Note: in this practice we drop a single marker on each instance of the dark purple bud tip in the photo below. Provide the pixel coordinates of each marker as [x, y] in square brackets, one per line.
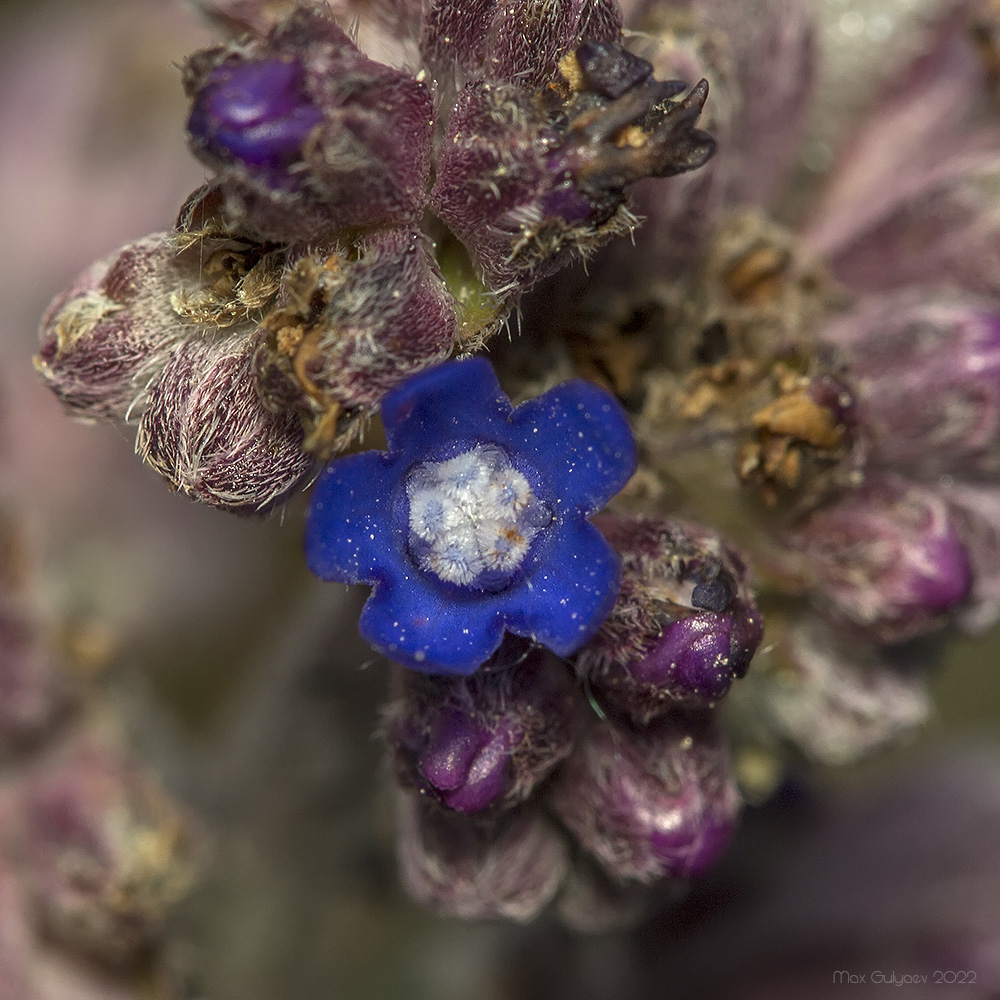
[488, 739]
[610, 70]
[684, 626]
[255, 112]
[650, 804]
[641, 134]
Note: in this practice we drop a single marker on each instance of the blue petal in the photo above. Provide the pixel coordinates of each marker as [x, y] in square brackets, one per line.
[348, 533]
[562, 604]
[430, 631]
[579, 437]
[457, 399]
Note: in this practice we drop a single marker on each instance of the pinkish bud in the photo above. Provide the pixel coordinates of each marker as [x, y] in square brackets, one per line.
[885, 559]
[350, 326]
[309, 136]
[208, 434]
[838, 698]
[925, 371]
[652, 803]
[486, 739]
[489, 39]
[105, 854]
[107, 338]
[684, 625]
[509, 866]
[100, 340]
[33, 692]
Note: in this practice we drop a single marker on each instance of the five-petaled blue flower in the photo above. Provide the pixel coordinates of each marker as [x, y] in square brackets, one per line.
[475, 520]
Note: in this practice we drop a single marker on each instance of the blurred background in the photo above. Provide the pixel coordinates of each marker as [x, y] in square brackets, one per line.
[241, 679]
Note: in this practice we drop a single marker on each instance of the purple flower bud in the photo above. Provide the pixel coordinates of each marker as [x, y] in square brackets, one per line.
[487, 739]
[684, 625]
[208, 434]
[352, 325]
[508, 866]
[488, 39]
[527, 189]
[884, 559]
[105, 853]
[926, 376]
[309, 136]
[837, 698]
[107, 338]
[653, 803]
[33, 693]
[254, 112]
[99, 345]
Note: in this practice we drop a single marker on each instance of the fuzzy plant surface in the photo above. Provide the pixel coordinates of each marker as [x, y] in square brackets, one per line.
[673, 465]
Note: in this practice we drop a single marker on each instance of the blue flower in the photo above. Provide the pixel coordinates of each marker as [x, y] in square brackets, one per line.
[474, 521]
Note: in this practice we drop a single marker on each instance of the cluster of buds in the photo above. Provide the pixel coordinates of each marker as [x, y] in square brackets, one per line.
[94, 854]
[821, 408]
[363, 224]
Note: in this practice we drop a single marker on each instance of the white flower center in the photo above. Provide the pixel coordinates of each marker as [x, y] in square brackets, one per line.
[473, 517]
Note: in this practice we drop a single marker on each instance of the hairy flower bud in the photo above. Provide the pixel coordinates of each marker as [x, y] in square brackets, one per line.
[488, 738]
[684, 625]
[108, 333]
[508, 866]
[651, 803]
[208, 434]
[885, 559]
[520, 42]
[309, 136]
[33, 693]
[105, 853]
[530, 182]
[106, 339]
[350, 325]
[925, 371]
[838, 699]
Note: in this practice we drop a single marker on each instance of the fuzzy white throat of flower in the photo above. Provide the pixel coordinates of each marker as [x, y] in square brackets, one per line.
[473, 517]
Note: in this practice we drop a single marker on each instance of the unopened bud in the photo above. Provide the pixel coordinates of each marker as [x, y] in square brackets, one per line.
[486, 739]
[208, 434]
[351, 326]
[652, 803]
[838, 698]
[684, 625]
[309, 136]
[885, 559]
[508, 866]
[106, 854]
[926, 376]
